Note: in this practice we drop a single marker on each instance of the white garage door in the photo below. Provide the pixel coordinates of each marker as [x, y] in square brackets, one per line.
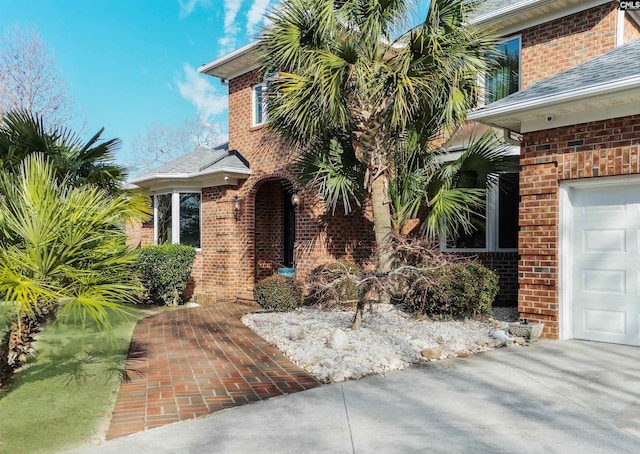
[605, 264]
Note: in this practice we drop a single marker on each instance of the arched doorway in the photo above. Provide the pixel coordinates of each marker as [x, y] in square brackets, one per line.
[275, 228]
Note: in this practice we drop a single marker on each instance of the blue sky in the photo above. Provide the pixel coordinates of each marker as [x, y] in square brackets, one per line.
[129, 64]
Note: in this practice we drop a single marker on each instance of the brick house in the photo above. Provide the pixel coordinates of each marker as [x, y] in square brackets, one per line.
[252, 220]
[250, 227]
[578, 117]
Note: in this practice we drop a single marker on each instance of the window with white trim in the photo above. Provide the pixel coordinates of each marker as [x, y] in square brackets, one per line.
[259, 114]
[498, 229]
[177, 218]
[505, 79]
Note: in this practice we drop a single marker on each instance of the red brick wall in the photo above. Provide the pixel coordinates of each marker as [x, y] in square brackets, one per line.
[139, 234]
[589, 150]
[505, 264]
[631, 29]
[221, 241]
[555, 46]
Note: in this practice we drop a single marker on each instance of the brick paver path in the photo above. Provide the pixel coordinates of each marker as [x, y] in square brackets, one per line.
[195, 361]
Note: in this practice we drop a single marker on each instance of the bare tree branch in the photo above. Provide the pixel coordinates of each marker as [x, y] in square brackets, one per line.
[160, 144]
[30, 80]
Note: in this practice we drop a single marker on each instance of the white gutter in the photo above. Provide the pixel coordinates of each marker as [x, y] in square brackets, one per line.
[512, 10]
[185, 176]
[227, 58]
[543, 101]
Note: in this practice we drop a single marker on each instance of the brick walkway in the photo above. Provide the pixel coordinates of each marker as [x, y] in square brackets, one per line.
[195, 361]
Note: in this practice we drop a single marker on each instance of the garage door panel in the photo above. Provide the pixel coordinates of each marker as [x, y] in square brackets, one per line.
[605, 264]
[605, 322]
[604, 281]
[604, 240]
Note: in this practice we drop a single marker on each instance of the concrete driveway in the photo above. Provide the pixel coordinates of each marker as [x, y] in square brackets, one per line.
[564, 397]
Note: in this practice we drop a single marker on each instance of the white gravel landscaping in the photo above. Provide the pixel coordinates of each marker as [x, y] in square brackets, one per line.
[322, 343]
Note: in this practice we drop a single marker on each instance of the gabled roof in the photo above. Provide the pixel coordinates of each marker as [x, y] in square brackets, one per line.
[505, 16]
[210, 166]
[606, 86]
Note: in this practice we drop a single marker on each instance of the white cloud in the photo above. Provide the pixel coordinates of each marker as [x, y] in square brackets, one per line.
[231, 8]
[187, 6]
[201, 93]
[229, 42]
[255, 16]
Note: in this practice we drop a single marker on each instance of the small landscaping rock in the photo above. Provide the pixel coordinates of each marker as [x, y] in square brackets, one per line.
[337, 377]
[338, 339]
[432, 353]
[297, 333]
[388, 339]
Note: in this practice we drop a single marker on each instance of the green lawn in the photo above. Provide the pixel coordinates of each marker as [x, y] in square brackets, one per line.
[64, 395]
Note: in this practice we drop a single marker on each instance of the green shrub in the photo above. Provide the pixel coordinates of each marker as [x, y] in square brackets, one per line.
[279, 293]
[164, 271]
[454, 290]
[334, 283]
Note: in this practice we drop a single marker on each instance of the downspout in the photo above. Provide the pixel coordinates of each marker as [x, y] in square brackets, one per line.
[508, 139]
[620, 27]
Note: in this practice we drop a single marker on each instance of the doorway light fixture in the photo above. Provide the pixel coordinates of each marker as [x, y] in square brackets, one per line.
[236, 207]
[295, 201]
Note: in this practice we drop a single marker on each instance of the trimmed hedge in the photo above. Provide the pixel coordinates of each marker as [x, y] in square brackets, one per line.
[456, 290]
[279, 293]
[164, 271]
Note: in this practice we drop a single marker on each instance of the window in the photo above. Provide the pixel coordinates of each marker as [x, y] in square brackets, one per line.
[177, 218]
[505, 79]
[498, 230]
[259, 112]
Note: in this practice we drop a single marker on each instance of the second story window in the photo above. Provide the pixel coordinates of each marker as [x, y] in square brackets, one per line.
[505, 79]
[258, 100]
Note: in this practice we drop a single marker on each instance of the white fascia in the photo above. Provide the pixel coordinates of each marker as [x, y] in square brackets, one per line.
[227, 58]
[514, 9]
[559, 98]
[185, 176]
[512, 13]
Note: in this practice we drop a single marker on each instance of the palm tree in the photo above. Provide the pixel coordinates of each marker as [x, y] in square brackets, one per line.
[62, 250]
[353, 78]
[23, 132]
[445, 194]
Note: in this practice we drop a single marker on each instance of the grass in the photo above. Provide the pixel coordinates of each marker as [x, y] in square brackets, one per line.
[5, 311]
[64, 395]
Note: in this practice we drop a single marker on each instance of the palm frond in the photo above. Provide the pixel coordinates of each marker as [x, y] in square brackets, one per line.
[332, 169]
[64, 245]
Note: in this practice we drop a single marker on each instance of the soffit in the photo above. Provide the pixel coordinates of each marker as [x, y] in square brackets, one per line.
[234, 64]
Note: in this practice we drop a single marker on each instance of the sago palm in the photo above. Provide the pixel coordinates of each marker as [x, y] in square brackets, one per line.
[62, 249]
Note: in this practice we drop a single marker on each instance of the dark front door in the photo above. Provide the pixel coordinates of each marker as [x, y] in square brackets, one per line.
[289, 230]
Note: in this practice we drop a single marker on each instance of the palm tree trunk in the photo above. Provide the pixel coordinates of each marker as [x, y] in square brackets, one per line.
[382, 222]
[383, 231]
[15, 347]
